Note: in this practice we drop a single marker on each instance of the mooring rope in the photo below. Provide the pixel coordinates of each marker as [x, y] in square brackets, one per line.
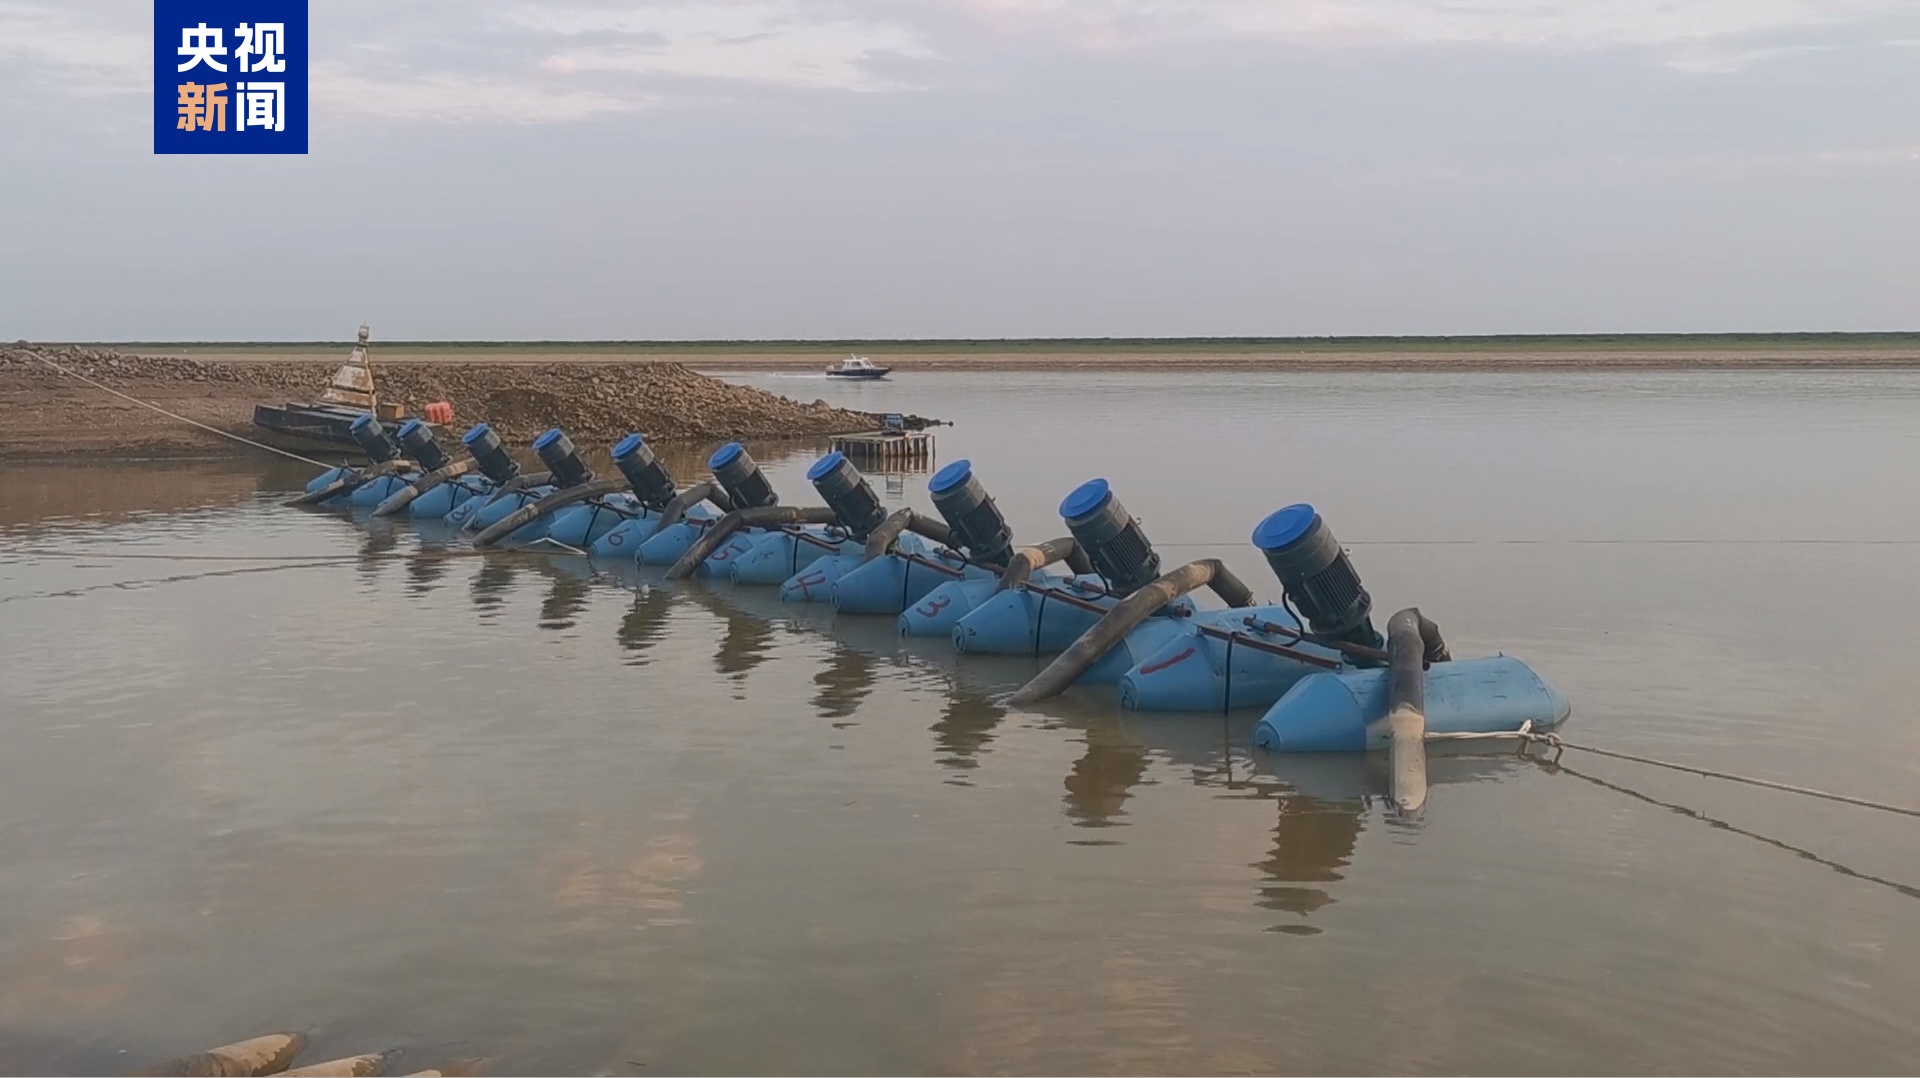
[273, 563]
[1558, 745]
[135, 585]
[175, 415]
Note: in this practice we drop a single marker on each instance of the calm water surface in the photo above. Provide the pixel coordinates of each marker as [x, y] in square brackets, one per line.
[569, 817]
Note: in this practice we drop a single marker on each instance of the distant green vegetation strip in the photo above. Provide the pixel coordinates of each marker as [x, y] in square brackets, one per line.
[1598, 342]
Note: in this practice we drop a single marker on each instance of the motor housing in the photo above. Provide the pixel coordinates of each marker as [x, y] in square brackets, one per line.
[737, 473]
[417, 439]
[373, 438]
[1110, 537]
[562, 460]
[976, 522]
[848, 494]
[495, 462]
[1317, 575]
[645, 472]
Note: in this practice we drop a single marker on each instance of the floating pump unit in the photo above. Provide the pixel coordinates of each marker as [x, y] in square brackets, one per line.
[875, 562]
[654, 491]
[417, 439]
[373, 439]
[848, 494]
[740, 476]
[1111, 538]
[443, 485]
[495, 462]
[563, 462]
[1317, 575]
[737, 484]
[651, 482]
[515, 504]
[383, 478]
[970, 512]
[819, 544]
[1046, 613]
[1326, 675]
[977, 527]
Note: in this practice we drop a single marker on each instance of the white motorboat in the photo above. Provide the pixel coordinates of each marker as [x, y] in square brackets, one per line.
[857, 367]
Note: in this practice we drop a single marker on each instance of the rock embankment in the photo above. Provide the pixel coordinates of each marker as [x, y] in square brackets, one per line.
[43, 412]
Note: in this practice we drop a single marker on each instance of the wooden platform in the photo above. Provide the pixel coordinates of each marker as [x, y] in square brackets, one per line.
[887, 450]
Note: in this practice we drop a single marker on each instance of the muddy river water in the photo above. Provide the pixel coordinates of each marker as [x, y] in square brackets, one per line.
[571, 818]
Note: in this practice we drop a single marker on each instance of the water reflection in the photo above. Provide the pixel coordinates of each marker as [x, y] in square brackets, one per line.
[745, 641]
[846, 680]
[965, 728]
[1313, 841]
[1103, 778]
[1322, 804]
[645, 624]
[572, 586]
[426, 572]
[377, 545]
[491, 584]
[112, 492]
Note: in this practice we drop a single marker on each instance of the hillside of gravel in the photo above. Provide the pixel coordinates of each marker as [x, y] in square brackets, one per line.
[44, 412]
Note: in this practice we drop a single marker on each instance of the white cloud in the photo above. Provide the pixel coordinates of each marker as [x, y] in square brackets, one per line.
[518, 64]
[786, 43]
[454, 98]
[1709, 60]
[1550, 23]
[92, 55]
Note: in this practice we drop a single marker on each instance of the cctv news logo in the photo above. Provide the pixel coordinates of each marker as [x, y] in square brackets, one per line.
[230, 76]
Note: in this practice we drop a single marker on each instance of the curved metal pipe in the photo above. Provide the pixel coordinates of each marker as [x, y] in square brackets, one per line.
[1413, 641]
[1093, 644]
[346, 484]
[762, 517]
[904, 520]
[1030, 560]
[402, 499]
[1231, 589]
[546, 506]
[708, 491]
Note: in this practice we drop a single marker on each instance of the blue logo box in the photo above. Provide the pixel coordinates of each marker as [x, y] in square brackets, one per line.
[229, 76]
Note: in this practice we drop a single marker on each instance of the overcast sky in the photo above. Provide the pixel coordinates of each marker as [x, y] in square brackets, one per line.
[981, 168]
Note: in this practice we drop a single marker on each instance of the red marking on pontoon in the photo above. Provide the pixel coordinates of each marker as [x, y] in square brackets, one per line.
[1154, 668]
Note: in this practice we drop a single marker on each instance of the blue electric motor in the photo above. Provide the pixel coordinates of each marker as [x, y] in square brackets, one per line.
[495, 462]
[417, 439]
[1317, 575]
[848, 494]
[741, 477]
[1110, 537]
[976, 522]
[557, 452]
[649, 478]
[373, 438]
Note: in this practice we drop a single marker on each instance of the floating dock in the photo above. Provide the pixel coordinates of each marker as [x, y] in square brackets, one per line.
[887, 450]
